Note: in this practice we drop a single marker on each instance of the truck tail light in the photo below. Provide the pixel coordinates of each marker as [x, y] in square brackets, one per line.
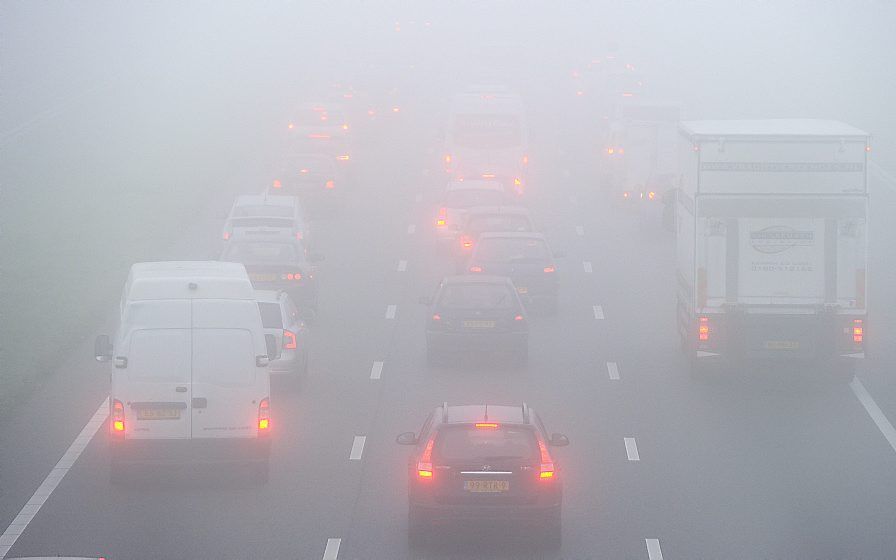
[549, 269]
[424, 465]
[289, 340]
[264, 416]
[858, 331]
[475, 269]
[330, 184]
[703, 329]
[117, 417]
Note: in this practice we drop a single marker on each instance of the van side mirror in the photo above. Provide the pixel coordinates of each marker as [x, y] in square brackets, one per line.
[270, 341]
[406, 438]
[102, 348]
[559, 440]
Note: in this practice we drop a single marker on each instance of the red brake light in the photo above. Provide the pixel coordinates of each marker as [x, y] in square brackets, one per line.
[330, 184]
[525, 160]
[858, 331]
[518, 318]
[447, 158]
[264, 415]
[289, 126]
[300, 235]
[289, 340]
[466, 242]
[549, 269]
[343, 157]
[436, 317]
[475, 269]
[226, 235]
[703, 329]
[442, 219]
[395, 109]
[651, 195]
[117, 416]
[277, 184]
[611, 151]
[547, 463]
[424, 465]
[345, 127]
[487, 425]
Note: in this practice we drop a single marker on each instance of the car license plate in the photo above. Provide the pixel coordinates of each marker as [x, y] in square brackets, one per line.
[479, 324]
[522, 290]
[258, 277]
[158, 413]
[487, 486]
[781, 345]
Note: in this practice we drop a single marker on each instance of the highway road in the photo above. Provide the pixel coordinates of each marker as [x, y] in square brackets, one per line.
[762, 464]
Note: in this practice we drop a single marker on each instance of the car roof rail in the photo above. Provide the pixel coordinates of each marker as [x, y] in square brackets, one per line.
[525, 413]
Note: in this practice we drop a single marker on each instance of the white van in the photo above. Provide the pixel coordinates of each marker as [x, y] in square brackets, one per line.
[190, 380]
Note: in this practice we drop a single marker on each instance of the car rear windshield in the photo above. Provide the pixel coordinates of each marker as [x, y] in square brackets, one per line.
[477, 296]
[467, 443]
[270, 315]
[467, 198]
[508, 249]
[261, 253]
[262, 211]
[500, 223]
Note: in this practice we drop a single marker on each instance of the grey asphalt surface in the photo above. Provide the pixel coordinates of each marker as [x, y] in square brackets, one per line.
[757, 465]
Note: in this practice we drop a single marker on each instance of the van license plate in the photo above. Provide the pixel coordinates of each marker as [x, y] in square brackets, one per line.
[158, 413]
[781, 345]
[490, 486]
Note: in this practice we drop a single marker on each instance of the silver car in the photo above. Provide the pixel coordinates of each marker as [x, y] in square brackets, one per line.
[280, 317]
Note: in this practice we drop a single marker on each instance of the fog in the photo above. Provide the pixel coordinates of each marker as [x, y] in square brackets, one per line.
[657, 232]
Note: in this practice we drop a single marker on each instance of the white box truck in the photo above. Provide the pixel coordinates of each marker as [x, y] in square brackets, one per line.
[772, 242]
[190, 380]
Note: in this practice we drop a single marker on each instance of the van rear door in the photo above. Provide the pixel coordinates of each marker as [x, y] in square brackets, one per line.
[154, 382]
[227, 391]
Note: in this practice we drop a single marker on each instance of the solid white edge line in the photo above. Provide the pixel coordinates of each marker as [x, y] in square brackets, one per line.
[587, 266]
[631, 449]
[376, 371]
[390, 311]
[653, 549]
[411, 229]
[331, 552]
[613, 370]
[598, 311]
[874, 411]
[402, 266]
[357, 448]
[52, 480]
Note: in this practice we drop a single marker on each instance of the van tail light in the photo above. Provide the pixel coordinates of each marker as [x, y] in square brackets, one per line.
[424, 465]
[289, 340]
[475, 269]
[443, 217]
[330, 184]
[703, 329]
[858, 331]
[549, 269]
[547, 462]
[264, 416]
[117, 417]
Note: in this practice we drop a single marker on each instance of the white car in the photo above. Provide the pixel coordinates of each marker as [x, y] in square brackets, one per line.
[190, 381]
[265, 212]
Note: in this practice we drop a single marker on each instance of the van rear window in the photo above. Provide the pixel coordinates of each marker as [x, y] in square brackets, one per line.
[270, 315]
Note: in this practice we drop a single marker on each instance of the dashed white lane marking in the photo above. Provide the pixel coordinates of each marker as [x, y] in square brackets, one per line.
[587, 266]
[613, 370]
[874, 411]
[580, 231]
[411, 229]
[357, 448]
[40, 496]
[631, 449]
[402, 266]
[390, 311]
[653, 549]
[598, 312]
[376, 371]
[332, 550]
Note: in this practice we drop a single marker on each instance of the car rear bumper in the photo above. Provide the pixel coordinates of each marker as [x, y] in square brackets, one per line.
[481, 340]
[191, 451]
[512, 514]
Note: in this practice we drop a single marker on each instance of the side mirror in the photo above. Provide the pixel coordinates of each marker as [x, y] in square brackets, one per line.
[316, 257]
[406, 438]
[424, 300]
[559, 440]
[270, 341]
[102, 348]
